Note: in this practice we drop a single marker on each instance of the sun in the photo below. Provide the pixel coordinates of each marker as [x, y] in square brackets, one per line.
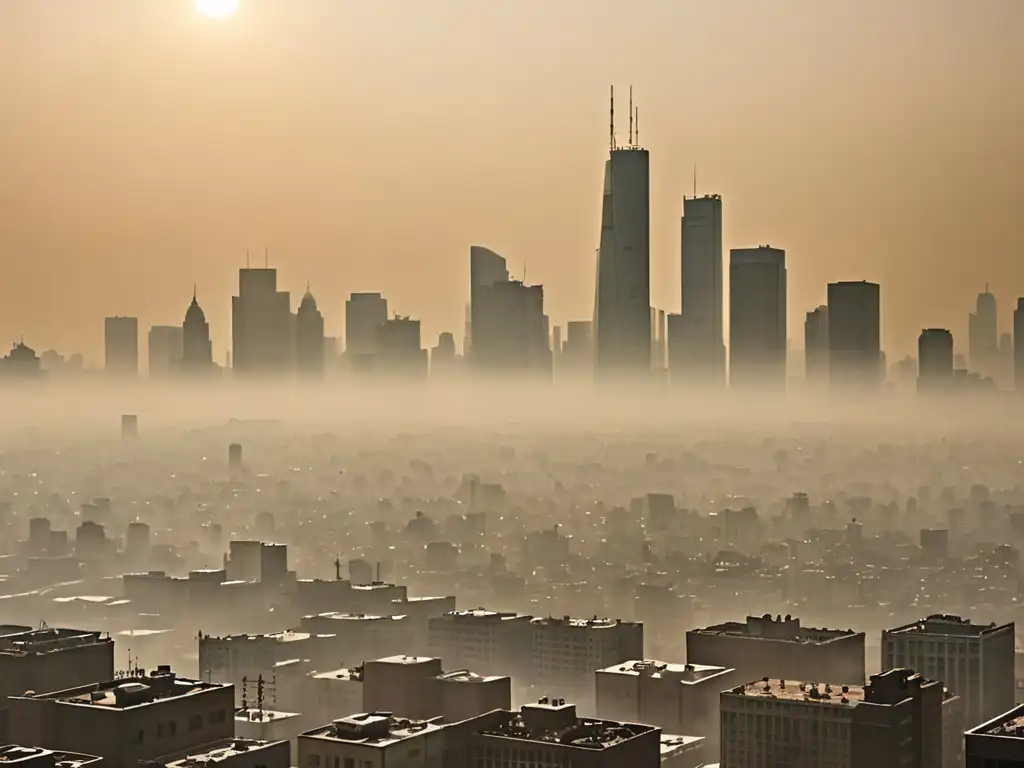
[217, 9]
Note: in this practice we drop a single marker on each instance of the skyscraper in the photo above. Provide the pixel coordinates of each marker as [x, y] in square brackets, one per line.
[983, 335]
[854, 335]
[364, 314]
[816, 346]
[700, 354]
[399, 348]
[934, 360]
[121, 345]
[622, 306]
[261, 324]
[310, 348]
[757, 318]
[485, 269]
[165, 343]
[196, 349]
[1018, 346]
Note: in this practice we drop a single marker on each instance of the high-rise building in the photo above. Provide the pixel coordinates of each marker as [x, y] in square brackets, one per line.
[399, 349]
[1018, 346]
[443, 357]
[622, 305]
[975, 661]
[22, 363]
[983, 335]
[310, 349]
[816, 346]
[700, 354]
[262, 324]
[854, 335]
[196, 348]
[757, 318]
[998, 743]
[364, 314]
[165, 344]
[898, 720]
[934, 360]
[578, 349]
[485, 269]
[121, 345]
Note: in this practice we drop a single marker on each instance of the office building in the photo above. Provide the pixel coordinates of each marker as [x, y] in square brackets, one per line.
[578, 349]
[854, 336]
[196, 348]
[144, 717]
[486, 268]
[310, 349]
[700, 354]
[364, 314]
[14, 756]
[360, 636]
[816, 346]
[983, 335]
[399, 349]
[165, 347]
[22, 363]
[373, 739]
[443, 357]
[1018, 346]
[975, 661]
[262, 324]
[997, 743]
[780, 647]
[898, 720]
[934, 360]
[325, 694]
[568, 651]
[757, 318]
[50, 658]
[622, 304]
[678, 698]
[121, 346]
[487, 642]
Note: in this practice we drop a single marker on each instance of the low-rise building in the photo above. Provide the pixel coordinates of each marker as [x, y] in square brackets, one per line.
[49, 658]
[374, 739]
[14, 756]
[232, 753]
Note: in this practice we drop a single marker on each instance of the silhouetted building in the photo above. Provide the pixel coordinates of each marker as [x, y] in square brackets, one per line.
[129, 426]
[1018, 346]
[51, 658]
[854, 335]
[998, 743]
[399, 350]
[974, 661]
[365, 313]
[121, 345]
[934, 360]
[14, 756]
[983, 335]
[196, 349]
[165, 346]
[757, 318]
[578, 349]
[622, 305]
[443, 357]
[816, 346]
[700, 350]
[486, 268]
[21, 363]
[309, 338]
[261, 324]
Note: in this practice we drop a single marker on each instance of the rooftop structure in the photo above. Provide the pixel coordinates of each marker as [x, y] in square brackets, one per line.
[373, 729]
[233, 753]
[998, 742]
[36, 757]
[29, 658]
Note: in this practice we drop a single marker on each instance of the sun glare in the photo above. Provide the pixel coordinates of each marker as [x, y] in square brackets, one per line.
[217, 9]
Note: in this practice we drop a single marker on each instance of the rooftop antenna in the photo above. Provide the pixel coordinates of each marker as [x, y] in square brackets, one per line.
[637, 129]
[337, 569]
[378, 572]
[611, 119]
[631, 116]
[245, 694]
[524, 272]
[259, 695]
[246, 258]
[695, 180]
[266, 257]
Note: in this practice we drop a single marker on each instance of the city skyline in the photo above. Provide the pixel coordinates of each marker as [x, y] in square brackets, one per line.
[348, 221]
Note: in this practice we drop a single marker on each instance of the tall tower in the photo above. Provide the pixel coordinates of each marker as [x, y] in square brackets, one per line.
[816, 346]
[310, 348]
[701, 351]
[196, 349]
[261, 324]
[983, 335]
[121, 345]
[364, 314]
[164, 349]
[486, 270]
[622, 306]
[1018, 346]
[934, 360]
[854, 335]
[757, 318]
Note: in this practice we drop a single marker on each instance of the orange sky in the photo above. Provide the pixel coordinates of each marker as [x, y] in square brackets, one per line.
[143, 148]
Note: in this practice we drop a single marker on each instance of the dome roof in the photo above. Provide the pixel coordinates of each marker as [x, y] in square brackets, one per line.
[194, 315]
[308, 303]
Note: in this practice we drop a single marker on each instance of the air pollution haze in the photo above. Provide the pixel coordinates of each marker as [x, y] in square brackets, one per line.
[528, 384]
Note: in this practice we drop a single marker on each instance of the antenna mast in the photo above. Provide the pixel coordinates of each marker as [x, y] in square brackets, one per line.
[631, 143]
[695, 180]
[611, 120]
[637, 129]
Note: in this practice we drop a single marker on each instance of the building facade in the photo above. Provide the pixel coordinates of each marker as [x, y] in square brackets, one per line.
[854, 335]
[816, 346]
[700, 357]
[121, 346]
[757, 319]
[934, 360]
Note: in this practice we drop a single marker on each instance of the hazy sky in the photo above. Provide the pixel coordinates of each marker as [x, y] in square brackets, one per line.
[144, 147]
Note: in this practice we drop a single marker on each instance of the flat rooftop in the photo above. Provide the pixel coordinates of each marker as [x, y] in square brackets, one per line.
[1008, 725]
[354, 675]
[557, 723]
[263, 715]
[12, 754]
[130, 692]
[287, 636]
[576, 623]
[405, 660]
[685, 674]
[824, 694]
[24, 640]
[218, 751]
[672, 745]
[945, 625]
[373, 729]
[482, 614]
[465, 676]
[332, 616]
[779, 629]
